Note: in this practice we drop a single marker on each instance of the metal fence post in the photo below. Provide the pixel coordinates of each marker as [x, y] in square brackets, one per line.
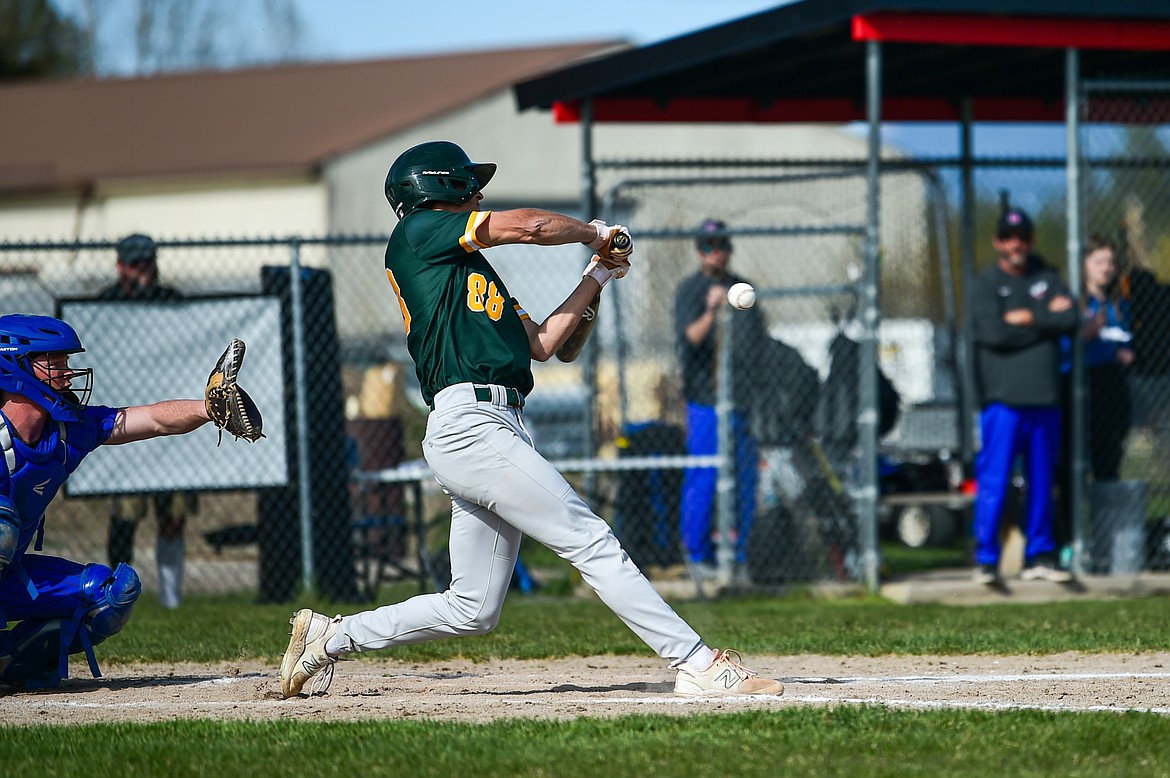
[1072, 118]
[867, 420]
[304, 481]
[726, 483]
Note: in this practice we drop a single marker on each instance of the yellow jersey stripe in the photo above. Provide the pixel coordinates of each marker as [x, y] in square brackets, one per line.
[468, 241]
[523, 314]
[401, 302]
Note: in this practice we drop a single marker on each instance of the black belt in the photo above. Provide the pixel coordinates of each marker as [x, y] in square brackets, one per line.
[513, 396]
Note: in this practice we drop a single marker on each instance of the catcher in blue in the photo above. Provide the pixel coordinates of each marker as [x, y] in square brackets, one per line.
[472, 344]
[46, 428]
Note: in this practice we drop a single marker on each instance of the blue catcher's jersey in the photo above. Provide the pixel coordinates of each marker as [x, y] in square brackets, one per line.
[41, 470]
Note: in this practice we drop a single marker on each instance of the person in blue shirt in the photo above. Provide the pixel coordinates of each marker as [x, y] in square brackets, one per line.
[60, 607]
[1108, 341]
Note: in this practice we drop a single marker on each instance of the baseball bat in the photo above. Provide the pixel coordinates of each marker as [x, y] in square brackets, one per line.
[621, 242]
[571, 348]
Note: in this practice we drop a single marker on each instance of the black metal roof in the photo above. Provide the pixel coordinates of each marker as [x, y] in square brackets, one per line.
[802, 62]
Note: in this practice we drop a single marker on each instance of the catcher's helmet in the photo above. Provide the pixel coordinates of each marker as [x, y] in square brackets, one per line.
[436, 171]
[23, 337]
[136, 248]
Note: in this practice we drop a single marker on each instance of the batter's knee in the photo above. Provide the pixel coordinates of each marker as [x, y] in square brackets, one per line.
[108, 597]
[471, 617]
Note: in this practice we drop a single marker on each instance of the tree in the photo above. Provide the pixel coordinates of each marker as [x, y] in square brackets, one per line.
[37, 42]
[141, 37]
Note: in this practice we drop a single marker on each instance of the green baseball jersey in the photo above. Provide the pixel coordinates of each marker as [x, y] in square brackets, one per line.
[461, 323]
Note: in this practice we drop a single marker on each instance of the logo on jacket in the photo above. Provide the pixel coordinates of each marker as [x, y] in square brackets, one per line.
[1038, 290]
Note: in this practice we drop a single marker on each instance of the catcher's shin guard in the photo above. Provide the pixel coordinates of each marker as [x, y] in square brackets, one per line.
[108, 597]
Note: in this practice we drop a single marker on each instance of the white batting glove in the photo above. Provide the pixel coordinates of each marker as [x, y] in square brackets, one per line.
[598, 272]
[603, 233]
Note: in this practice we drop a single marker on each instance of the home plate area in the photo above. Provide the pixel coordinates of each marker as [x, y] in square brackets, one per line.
[462, 690]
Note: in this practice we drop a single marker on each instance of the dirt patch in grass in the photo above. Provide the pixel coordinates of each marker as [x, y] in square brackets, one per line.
[380, 688]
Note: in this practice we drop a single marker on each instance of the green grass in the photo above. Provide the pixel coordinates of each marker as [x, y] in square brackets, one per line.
[862, 741]
[898, 559]
[845, 740]
[220, 629]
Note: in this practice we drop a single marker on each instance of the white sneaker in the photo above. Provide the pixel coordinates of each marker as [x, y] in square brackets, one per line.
[306, 655]
[725, 676]
[1043, 571]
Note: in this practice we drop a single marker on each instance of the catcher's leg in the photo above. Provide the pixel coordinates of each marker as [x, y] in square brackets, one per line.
[77, 607]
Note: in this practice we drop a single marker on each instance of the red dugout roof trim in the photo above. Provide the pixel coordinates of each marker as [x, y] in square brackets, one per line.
[1030, 31]
[830, 110]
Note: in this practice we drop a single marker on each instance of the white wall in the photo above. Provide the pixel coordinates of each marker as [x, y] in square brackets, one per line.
[237, 208]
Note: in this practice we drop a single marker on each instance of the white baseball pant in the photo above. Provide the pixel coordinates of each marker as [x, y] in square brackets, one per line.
[501, 489]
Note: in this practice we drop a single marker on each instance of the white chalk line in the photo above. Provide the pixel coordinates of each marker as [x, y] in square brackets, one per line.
[942, 679]
[667, 700]
[883, 701]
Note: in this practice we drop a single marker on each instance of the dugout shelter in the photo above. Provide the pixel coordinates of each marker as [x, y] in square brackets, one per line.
[875, 61]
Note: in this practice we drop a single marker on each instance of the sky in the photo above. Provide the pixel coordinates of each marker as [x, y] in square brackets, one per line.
[353, 29]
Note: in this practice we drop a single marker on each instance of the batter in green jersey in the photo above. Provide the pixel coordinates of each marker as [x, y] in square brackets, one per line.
[473, 344]
[461, 323]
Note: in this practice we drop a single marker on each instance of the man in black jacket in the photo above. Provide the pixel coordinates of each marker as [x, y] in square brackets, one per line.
[699, 301]
[1020, 309]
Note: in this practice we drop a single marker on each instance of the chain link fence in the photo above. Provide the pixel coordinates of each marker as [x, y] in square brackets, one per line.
[1124, 345]
[773, 394]
[776, 487]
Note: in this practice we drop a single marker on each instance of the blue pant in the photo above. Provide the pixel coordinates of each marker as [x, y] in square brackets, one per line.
[1008, 431]
[698, 498]
[58, 583]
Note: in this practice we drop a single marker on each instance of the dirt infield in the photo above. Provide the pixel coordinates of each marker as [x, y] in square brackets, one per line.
[594, 686]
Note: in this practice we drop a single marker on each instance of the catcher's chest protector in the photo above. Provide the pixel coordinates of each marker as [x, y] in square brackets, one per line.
[36, 487]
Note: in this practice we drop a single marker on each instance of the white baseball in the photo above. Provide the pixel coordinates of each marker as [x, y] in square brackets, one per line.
[741, 296]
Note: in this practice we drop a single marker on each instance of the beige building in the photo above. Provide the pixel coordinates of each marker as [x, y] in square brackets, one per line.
[302, 150]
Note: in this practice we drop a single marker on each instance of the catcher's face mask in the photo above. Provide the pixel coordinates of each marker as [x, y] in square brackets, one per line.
[27, 339]
[72, 385]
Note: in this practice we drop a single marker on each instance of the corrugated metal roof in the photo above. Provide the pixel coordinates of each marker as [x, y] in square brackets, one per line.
[285, 119]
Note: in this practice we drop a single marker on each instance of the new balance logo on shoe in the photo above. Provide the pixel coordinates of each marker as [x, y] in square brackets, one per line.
[725, 676]
[729, 679]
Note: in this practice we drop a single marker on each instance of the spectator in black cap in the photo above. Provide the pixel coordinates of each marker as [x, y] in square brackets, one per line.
[138, 280]
[1021, 310]
[697, 306]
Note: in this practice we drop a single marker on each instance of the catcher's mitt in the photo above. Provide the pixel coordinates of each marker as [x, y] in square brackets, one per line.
[228, 405]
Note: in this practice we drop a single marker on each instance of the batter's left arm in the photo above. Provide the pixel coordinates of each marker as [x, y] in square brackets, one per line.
[546, 337]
